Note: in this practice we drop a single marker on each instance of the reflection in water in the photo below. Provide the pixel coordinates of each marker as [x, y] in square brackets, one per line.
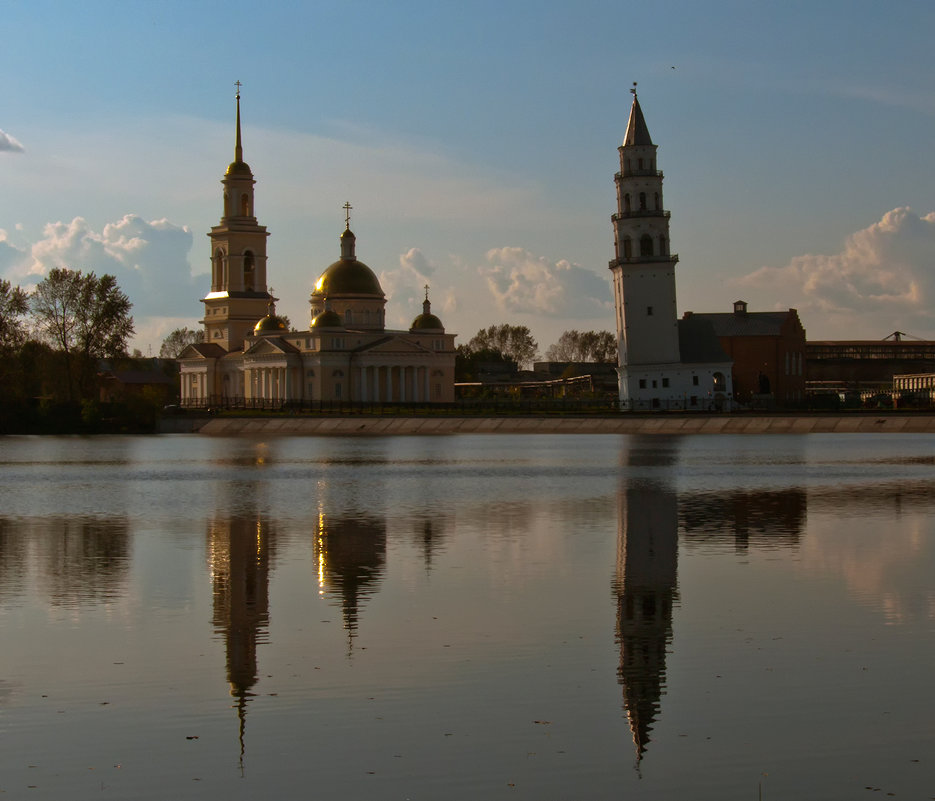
[240, 555]
[78, 560]
[645, 584]
[774, 519]
[351, 556]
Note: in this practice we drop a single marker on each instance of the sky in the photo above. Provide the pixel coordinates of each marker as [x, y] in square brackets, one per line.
[477, 143]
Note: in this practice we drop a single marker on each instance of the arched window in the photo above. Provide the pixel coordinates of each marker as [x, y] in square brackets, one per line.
[245, 205]
[646, 245]
[657, 201]
[248, 271]
[626, 202]
[627, 248]
[219, 269]
[642, 201]
[227, 204]
[720, 383]
[663, 249]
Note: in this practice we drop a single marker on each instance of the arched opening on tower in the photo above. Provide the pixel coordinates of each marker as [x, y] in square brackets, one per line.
[657, 201]
[663, 246]
[219, 282]
[245, 205]
[646, 245]
[626, 202]
[627, 248]
[642, 201]
[249, 271]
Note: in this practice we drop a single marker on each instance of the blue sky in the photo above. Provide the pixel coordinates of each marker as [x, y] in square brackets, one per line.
[477, 143]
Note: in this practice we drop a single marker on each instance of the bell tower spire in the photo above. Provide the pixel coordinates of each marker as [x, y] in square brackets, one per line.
[238, 296]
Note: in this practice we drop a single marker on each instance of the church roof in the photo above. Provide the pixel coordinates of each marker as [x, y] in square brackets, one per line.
[637, 132]
[208, 350]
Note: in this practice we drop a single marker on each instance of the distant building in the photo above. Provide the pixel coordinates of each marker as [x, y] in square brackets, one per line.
[767, 350]
[653, 370]
[865, 367]
[347, 354]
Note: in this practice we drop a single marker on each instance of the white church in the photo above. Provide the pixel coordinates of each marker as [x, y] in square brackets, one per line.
[663, 362]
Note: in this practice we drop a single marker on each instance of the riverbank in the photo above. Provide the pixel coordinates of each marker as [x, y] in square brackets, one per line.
[887, 423]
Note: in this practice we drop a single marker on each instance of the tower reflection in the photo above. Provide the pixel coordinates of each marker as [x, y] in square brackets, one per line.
[652, 517]
[240, 555]
[645, 581]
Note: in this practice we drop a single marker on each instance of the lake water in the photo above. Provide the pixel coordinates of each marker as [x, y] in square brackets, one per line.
[467, 617]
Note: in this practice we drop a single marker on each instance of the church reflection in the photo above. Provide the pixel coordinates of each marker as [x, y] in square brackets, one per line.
[654, 518]
[351, 556]
[241, 549]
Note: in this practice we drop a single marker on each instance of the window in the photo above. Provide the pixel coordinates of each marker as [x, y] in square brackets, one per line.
[649, 311]
[694, 381]
[348, 317]
[248, 271]
[720, 383]
[639, 164]
[657, 201]
[694, 400]
[655, 384]
[310, 373]
[337, 390]
[642, 383]
[245, 205]
[627, 248]
[626, 202]
[665, 382]
[646, 245]
[642, 201]
[663, 249]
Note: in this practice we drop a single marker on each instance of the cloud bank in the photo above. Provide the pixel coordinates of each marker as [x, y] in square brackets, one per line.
[8, 144]
[882, 280]
[149, 260]
[522, 282]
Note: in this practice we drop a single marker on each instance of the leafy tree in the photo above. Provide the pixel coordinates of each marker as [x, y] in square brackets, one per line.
[586, 346]
[178, 340]
[468, 362]
[14, 305]
[515, 342]
[84, 317]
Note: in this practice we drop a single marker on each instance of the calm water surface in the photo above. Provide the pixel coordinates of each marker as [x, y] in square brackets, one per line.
[468, 617]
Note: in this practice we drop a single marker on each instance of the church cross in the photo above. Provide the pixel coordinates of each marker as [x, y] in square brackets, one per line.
[347, 214]
[238, 84]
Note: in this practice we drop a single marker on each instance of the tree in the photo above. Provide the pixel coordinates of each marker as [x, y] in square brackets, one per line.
[178, 340]
[515, 342]
[85, 318]
[587, 346]
[14, 305]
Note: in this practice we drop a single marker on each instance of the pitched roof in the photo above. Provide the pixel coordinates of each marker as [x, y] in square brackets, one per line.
[746, 324]
[698, 342]
[208, 350]
[637, 132]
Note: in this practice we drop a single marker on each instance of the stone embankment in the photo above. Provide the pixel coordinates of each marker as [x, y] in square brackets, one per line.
[624, 424]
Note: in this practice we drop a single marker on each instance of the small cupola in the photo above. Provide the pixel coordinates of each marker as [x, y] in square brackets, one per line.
[740, 307]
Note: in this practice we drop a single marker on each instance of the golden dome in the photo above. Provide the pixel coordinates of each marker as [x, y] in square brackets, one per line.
[426, 321]
[270, 325]
[328, 319]
[348, 277]
[239, 168]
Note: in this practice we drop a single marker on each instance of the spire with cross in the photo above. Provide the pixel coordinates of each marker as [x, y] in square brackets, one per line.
[347, 215]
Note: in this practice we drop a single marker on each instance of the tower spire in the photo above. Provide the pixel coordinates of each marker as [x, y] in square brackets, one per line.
[238, 148]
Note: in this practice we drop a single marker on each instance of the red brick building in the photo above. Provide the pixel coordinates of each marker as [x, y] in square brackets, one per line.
[768, 352]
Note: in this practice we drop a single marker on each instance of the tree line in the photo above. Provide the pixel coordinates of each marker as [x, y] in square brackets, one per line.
[514, 347]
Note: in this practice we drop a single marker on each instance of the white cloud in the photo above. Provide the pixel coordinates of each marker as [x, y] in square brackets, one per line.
[405, 287]
[8, 144]
[883, 279]
[149, 260]
[522, 282]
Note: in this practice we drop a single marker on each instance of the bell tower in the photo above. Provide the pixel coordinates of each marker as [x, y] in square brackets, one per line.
[643, 268]
[238, 296]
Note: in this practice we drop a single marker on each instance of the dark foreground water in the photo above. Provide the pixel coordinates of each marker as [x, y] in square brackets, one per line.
[470, 617]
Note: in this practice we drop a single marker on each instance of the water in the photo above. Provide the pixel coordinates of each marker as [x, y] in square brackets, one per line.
[530, 617]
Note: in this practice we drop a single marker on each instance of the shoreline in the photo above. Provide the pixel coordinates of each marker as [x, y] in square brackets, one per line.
[655, 424]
